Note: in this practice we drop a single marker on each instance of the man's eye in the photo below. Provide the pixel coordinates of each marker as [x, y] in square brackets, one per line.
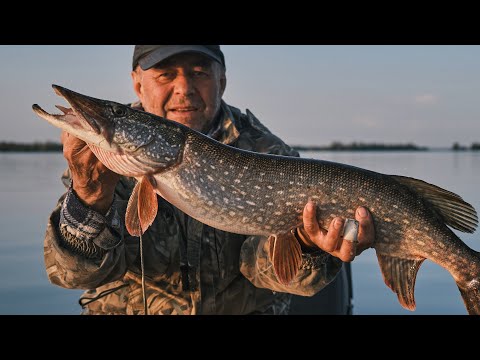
[200, 74]
[165, 75]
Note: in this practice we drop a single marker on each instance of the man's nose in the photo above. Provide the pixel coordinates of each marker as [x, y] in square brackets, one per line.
[184, 85]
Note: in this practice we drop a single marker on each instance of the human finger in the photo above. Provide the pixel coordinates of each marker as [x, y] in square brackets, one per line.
[331, 241]
[349, 240]
[310, 223]
[366, 230]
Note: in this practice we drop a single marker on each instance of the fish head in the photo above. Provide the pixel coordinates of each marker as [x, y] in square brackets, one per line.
[117, 128]
[91, 120]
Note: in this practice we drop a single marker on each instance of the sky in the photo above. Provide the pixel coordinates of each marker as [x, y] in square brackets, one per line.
[306, 95]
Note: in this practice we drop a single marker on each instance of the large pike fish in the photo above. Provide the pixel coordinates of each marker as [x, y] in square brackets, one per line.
[257, 194]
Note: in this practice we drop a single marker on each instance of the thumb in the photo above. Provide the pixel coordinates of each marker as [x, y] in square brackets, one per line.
[72, 142]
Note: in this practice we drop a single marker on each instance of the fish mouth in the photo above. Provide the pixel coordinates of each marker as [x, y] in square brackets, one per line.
[85, 115]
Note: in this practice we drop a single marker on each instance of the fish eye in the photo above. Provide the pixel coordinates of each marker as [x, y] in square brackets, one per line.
[119, 111]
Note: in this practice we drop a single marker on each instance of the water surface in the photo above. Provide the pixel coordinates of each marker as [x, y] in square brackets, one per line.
[30, 186]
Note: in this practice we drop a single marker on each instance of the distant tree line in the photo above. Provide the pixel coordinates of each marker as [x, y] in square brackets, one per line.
[33, 147]
[458, 147]
[359, 146]
[50, 146]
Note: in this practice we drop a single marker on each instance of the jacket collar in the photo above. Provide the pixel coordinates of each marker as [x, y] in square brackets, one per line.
[225, 128]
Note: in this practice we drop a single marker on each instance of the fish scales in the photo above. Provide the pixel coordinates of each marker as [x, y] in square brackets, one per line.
[259, 194]
[222, 202]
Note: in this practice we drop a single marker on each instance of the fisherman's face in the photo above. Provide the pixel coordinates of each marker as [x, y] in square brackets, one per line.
[186, 88]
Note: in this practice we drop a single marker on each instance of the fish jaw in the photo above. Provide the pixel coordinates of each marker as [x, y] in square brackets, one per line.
[85, 119]
[71, 123]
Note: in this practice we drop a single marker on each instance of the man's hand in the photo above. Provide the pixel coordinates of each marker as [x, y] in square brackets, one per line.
[93, 182]
[312, 236]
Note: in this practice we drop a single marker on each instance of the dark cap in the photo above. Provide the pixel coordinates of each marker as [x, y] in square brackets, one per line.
[147, 56]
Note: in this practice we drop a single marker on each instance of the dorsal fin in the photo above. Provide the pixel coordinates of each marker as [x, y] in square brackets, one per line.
[400, 275]
[452, 208]
[286, 256]
[142, 208]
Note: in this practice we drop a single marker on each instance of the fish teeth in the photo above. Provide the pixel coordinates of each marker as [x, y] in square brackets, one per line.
[65, 110]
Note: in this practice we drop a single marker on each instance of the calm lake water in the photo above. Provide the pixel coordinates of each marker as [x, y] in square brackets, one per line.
[30, 186]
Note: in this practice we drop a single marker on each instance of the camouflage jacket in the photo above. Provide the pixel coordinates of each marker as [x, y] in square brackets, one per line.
[190, 268]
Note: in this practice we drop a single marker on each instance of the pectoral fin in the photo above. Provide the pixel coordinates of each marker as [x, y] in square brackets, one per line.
[142, 208]
[271, 246]
[400, 275]
[147, 204]
[286, 256]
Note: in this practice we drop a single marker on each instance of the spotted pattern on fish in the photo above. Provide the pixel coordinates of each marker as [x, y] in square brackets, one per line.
[410, 216]
[401, 236]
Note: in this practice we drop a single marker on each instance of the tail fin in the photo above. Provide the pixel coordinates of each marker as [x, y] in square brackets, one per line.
[471, 296]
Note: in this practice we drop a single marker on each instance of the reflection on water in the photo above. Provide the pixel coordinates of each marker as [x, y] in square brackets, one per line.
[30, 186]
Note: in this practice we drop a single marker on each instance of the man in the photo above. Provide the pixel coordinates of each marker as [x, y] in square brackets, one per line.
[190, 268]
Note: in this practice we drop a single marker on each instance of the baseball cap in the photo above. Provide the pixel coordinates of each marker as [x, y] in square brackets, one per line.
[147, 56]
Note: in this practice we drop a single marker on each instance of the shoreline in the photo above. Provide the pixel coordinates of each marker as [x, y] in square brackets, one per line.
[50, 147]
